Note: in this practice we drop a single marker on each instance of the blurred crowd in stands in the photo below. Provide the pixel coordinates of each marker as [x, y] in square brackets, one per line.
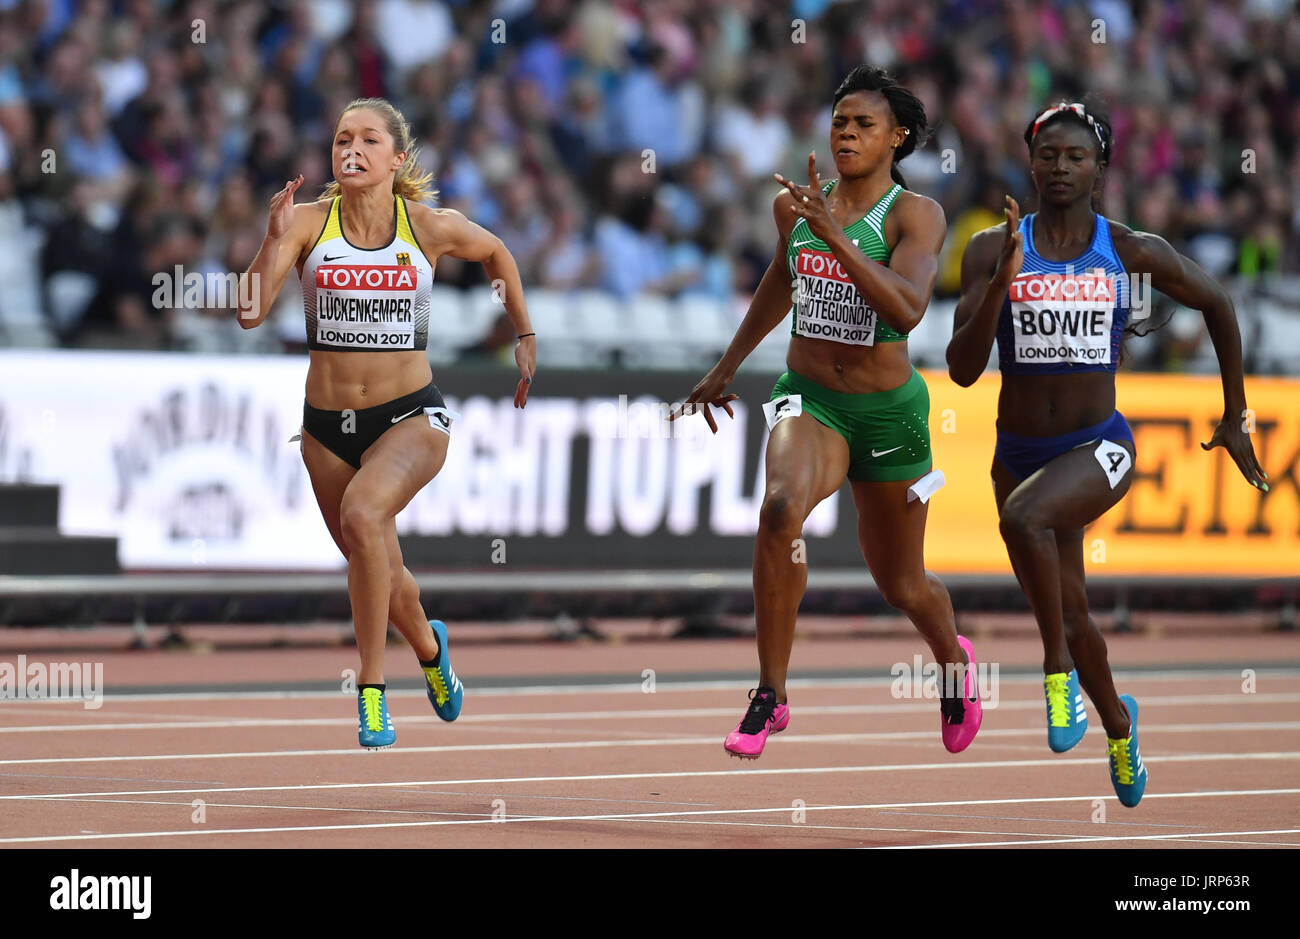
[615, 145]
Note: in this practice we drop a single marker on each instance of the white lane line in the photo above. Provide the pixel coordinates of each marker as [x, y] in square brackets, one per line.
[799, 825]
[554, 798]
[695, 774]
[633, 686]
[1197, 836]
[1023, 818]
[655, 816]
[901, 707]
[344, 808]
[666, 821]
[528, 818]
[1265, 844]
[683, 740]
[873, 828]
[186, 806]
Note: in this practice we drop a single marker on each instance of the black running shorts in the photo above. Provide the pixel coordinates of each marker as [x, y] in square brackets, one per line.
[349, 433]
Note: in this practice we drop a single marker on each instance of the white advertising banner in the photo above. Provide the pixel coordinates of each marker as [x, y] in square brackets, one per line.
[187, 461]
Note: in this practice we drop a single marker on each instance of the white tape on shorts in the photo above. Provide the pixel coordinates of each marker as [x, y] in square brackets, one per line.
[926, 486]
[441, 419]
[781, 408]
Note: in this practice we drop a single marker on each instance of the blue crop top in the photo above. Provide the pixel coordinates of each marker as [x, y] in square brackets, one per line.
[1065, 316]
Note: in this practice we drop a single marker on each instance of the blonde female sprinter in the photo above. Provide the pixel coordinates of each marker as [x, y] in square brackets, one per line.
[375, 429]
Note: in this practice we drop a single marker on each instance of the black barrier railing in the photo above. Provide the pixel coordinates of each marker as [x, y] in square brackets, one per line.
[172, 599]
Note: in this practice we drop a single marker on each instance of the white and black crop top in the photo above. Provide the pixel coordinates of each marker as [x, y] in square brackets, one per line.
[360, 300]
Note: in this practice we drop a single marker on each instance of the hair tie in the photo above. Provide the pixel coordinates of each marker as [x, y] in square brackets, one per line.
[1078, 109]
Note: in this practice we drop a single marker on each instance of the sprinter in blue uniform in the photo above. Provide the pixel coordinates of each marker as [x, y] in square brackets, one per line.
[1055, 291]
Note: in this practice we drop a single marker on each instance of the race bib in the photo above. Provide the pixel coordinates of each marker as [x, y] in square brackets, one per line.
[1115, 461]
[780, 408]
[441, 419]
[366, 306]
[1062, 318]
[827, 302]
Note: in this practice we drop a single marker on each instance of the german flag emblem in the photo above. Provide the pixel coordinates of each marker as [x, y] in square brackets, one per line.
[403, 258]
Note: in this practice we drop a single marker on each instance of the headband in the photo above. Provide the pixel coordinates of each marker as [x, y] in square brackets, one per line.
[1078, 109]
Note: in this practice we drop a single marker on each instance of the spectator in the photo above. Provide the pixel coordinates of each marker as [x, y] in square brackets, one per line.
[656, 109]
[756, 135]
[90, 151]
[174, 147]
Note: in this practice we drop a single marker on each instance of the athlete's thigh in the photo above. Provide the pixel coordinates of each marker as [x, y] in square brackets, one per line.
[329, 477]
[891, 530]
[1069, 549]
[1004, 483]
[398, 465]
[1073, 489]
[806, 460]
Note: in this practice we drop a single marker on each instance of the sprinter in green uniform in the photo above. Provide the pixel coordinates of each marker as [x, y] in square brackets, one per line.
[862, 254]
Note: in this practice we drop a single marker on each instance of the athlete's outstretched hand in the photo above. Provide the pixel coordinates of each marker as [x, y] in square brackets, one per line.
[282, 209]
[1232, 436]
[810, 202]
[526, 359]
[1012, 256]
[708, 392]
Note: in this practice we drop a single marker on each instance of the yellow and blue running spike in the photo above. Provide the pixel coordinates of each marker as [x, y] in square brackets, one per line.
[440, 680]
[1066, 718]
[376, 731]
[1128, 774]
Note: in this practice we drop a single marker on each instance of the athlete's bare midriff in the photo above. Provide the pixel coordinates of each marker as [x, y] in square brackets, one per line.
[339, 380]
[850, 369]
[1051, 405]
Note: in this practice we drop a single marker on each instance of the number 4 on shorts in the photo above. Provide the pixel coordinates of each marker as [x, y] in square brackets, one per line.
[1114, 460]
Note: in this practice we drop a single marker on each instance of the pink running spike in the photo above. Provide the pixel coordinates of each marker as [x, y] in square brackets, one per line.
[957, 737]
[750, 746]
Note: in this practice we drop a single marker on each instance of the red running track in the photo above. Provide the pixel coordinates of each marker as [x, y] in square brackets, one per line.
[594, 764]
